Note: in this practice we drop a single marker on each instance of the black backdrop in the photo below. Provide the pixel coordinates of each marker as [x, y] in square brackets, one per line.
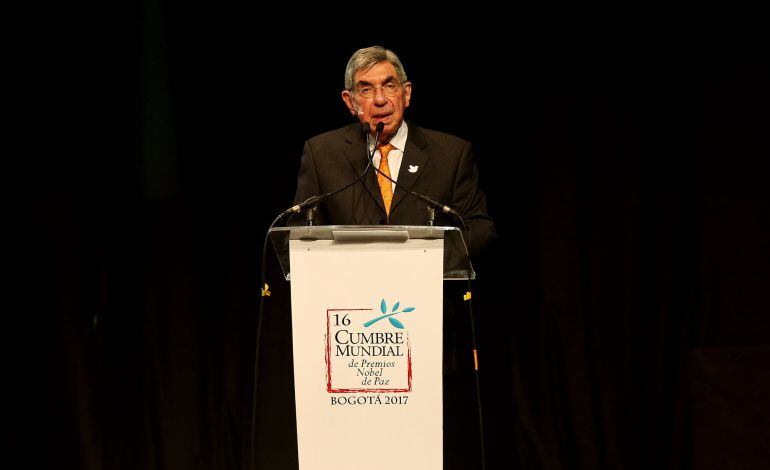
[623, 317]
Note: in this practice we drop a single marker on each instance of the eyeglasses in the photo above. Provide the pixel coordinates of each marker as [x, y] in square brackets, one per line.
[389, 89]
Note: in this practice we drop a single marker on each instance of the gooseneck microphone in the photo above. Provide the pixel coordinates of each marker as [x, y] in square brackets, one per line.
[431, 202]
[314, 200]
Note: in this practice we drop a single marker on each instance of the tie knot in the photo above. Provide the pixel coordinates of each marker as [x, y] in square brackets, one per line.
[385, 149]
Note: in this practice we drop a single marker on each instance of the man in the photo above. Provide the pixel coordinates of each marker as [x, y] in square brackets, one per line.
[428, 162]
[431, 163]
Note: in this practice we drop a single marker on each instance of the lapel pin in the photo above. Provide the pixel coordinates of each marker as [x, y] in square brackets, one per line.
[413, 168]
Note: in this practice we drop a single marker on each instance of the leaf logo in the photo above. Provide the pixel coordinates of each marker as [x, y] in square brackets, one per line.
[389, 316]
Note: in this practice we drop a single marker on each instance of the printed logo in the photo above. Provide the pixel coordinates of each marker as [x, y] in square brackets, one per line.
[366, 354]
[389, 316]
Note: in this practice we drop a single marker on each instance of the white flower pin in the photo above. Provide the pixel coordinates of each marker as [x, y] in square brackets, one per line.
[413, 168]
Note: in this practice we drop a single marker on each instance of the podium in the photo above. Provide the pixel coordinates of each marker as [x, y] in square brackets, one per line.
[367, 306]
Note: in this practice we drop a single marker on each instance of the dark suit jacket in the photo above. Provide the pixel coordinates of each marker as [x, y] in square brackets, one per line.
[446, 172]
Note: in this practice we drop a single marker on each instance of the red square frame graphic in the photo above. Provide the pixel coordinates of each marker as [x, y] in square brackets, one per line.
[331, 389]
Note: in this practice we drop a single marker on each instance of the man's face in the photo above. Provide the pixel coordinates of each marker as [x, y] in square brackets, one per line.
[379, 96]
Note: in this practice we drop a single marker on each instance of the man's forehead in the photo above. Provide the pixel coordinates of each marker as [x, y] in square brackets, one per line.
[379, 72]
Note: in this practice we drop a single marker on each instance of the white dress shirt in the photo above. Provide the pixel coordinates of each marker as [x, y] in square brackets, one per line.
[396, 154]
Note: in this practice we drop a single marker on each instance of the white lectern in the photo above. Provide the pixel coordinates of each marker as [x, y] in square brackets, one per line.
[367, 335]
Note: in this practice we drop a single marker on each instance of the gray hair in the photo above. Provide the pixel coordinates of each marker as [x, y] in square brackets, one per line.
[368, 57]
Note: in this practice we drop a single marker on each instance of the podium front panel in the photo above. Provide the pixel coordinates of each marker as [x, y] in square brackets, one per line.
[367, 336]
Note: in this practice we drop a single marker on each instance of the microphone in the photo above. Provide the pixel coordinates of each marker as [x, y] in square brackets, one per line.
[314, 200]
[435, 204]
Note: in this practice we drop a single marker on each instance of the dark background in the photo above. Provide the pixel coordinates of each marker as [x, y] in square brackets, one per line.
[623, 317]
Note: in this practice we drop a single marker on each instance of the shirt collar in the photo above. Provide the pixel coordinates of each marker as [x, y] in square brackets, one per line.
[398, 141]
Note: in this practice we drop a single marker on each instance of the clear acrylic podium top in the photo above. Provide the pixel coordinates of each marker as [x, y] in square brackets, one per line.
[456, 262]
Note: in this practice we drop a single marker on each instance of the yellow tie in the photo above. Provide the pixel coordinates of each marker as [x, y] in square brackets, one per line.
[385, 185]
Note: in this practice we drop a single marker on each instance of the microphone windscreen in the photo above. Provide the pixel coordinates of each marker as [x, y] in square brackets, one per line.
[366, 128]
[380, 126]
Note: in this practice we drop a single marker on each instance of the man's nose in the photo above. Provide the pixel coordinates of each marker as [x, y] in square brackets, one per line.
[379, 96]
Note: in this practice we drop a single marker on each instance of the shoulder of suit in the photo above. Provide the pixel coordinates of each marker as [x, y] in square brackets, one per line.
[351, 132]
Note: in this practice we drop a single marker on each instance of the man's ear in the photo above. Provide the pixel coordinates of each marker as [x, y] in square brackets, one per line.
[348, 99]
[407, 93]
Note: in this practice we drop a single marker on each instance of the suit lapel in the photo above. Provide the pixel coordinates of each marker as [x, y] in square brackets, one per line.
[412, 164]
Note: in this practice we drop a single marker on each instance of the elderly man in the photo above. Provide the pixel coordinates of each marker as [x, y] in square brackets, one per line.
[434, 164]
[431, 163]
